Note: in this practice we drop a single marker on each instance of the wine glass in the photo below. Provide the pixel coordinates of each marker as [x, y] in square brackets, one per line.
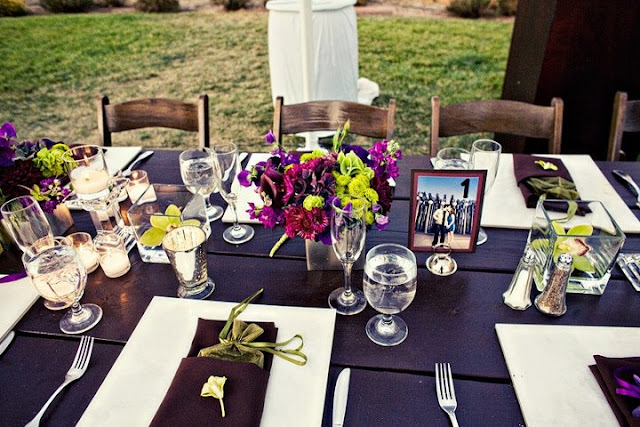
[57, 273]
[197, 171]
[390, 281]
[348, 230]
[227, 167]
[452, 158]
[27, 224]
[485, 154]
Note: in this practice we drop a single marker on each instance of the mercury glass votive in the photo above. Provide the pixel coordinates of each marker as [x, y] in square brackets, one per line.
[114, 259]
[83, 243]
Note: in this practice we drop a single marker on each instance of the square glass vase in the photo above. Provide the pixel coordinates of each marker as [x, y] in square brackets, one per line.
[154, 203]
[592, 237]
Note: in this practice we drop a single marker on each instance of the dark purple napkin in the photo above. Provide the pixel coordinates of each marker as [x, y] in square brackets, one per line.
[244, 391]
[13, 277]
[621, 405]
[524, 167]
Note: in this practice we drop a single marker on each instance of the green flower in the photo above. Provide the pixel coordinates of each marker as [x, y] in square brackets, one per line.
[371, 195]
[214, 387]
[357, 187]
[342, 180]
[162, 224]
[315, 154]
[50, 161]
[351, 165]
[312, 201]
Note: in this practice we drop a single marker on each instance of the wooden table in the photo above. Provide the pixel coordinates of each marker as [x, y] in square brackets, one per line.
[451, 319]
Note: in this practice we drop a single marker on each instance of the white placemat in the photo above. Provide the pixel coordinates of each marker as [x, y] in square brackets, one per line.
[139, 379]
[246, 195]
[16, 298]
[117, 158]
[504, 206]
[549, 367]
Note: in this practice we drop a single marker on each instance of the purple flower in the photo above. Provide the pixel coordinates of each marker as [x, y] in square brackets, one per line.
[382, 222]
[7, 131]
[270, 138]
[243, 178]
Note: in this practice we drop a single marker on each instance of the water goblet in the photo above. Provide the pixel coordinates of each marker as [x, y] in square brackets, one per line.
[485, 154]
[27, 224]
[227, 168]
[348, 231]
[452, 158]
[58, 274]
[197, 171]
[25, 221]
[390, 281]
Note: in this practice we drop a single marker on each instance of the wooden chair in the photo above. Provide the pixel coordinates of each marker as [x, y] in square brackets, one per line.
[625, 118]
[499, 116]
[153, 112]
[374, 122]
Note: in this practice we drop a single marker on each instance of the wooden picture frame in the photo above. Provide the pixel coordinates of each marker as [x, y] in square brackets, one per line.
[458, 196]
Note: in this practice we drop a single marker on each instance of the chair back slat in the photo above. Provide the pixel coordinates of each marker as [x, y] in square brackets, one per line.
[153, 112]
[625, 118]
[366, 120]
[498, 116]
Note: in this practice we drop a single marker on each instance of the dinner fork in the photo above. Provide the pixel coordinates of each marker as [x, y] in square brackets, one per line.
[78, 368]
[446, 393]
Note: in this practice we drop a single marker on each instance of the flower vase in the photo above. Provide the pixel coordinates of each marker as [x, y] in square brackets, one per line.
[322, 257]
[60, 220]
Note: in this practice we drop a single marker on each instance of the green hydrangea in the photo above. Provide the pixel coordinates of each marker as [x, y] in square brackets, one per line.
[50, 161]
[312, 201]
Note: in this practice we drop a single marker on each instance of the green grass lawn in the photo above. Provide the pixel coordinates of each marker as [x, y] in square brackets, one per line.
[54, 66]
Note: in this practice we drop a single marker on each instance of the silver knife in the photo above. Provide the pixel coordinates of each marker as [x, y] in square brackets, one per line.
[6, 340]
[340, 396]
[136, 162]
[630, 183]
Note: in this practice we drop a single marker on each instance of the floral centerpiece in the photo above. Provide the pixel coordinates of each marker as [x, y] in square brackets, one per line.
[33, 168]
[298, 190]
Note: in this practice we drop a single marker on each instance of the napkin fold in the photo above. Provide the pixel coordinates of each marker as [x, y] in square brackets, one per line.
[621, 405]
[244, 391]
[525, 167]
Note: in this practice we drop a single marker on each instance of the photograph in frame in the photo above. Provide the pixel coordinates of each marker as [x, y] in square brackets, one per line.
[446, 206]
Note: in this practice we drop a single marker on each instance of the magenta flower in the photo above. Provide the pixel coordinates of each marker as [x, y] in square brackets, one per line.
[382, 222]
[243, 178]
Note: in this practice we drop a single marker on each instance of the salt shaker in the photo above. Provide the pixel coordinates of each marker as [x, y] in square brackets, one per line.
[518, 295]
[552, 300]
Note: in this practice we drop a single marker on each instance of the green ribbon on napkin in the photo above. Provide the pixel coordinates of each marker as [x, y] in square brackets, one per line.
[553, 187]
[237, 342]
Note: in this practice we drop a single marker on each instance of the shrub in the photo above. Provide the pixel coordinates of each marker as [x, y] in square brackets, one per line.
[508, 7]
[66, 6]
[230, 4]
[468, 8]
[157, 5]
[109, 3]
[12, 8]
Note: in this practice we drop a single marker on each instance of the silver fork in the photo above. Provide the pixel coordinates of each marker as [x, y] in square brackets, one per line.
[446, 393]
[78, 368]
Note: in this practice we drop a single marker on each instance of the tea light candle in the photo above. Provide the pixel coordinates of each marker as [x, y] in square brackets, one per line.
[138, 184]
[113, 257]
[84, 247]
[87, 181]
[115, 263]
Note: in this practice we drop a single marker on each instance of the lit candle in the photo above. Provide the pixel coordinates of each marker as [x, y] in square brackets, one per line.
[89, 258]
[115, 263]
[87, 181]
[138, 184]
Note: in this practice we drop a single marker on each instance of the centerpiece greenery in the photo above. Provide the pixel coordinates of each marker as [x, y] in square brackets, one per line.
[298, 190]
[33, 168]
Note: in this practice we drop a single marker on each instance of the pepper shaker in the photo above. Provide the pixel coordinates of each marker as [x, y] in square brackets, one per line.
[518, 295]
[552, 300]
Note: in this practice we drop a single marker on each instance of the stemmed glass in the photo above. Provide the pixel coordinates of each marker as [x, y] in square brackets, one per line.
[485, 154]
[227, 167]
[27, 224]
[58, 274]
[452, 158]
[348, 230]
[390, 281]
[197, 171]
